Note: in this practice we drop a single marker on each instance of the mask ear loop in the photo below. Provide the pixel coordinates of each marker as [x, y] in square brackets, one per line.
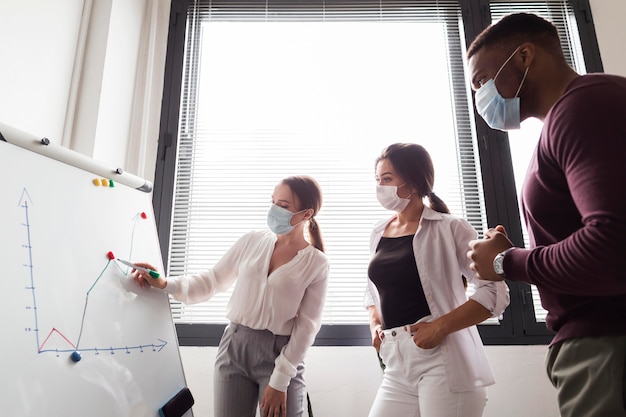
[506, 62]
[311, 216]
[408, 197]
[303, 220]
[522, 83]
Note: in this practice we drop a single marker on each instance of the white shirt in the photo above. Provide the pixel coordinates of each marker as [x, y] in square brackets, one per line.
[440, 246]
[287, 302]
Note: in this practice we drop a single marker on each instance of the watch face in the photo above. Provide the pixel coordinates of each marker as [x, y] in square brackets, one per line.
[497, 264]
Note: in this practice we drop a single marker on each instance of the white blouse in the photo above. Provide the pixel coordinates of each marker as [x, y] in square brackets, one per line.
[289, 301]
[440, 246]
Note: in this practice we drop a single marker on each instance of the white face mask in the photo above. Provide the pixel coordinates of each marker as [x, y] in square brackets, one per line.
[388, 197]
[499, 112]
[279, 219]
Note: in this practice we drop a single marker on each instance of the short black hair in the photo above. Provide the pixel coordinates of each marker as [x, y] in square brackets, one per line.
[515, 29]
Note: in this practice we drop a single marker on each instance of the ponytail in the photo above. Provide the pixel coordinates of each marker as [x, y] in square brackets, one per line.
[437, 203]
[315, 234]
[309, 195]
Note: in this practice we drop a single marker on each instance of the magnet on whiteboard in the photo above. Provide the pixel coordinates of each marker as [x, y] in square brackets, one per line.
[75, 356]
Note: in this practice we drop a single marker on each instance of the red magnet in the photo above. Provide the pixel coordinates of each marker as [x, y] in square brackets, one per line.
[110, 255]
[144, 215]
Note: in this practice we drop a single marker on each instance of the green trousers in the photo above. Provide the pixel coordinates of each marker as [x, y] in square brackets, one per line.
[590, 376]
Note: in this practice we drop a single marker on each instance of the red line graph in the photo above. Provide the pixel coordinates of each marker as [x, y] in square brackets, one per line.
[55, 330]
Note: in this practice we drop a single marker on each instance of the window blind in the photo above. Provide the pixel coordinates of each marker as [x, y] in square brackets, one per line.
[277, 88]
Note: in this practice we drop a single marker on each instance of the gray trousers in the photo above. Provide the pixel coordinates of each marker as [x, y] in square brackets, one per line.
[244, 363]
[589, 374]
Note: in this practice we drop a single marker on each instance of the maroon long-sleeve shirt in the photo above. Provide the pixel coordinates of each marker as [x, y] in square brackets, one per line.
[574, 203]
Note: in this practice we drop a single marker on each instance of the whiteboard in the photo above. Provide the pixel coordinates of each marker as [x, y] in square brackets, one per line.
[62, 293]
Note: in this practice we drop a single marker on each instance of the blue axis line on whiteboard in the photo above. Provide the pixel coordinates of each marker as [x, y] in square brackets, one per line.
[75, 353]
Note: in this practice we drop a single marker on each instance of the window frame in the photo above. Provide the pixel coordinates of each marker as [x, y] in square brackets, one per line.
[518, 326]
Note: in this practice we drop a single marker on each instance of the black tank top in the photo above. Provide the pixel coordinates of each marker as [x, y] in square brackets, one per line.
[394, 272]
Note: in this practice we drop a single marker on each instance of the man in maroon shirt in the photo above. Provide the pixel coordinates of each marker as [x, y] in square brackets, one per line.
[574, 204]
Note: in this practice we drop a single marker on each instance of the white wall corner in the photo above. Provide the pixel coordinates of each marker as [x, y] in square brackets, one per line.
[143, 132]
[608, 17]
[83, 105]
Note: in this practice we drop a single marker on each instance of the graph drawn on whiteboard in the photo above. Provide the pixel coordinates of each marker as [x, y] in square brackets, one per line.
[56, 340]
[64, 292]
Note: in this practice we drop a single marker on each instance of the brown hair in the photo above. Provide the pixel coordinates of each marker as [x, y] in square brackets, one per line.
[413, 163]
[514, 29]
[309, 194]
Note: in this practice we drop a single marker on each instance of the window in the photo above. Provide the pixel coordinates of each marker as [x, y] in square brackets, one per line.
[282, 91]
[259, 90]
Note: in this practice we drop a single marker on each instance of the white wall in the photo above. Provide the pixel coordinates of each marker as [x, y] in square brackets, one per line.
[608, 17]
[37, 48]
[88, 74]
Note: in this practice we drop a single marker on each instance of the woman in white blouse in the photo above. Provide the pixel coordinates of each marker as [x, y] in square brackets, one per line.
[421, 320]
[275, 309]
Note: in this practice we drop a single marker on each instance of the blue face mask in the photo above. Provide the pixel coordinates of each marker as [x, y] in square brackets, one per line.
[279, 219]
[499, 112]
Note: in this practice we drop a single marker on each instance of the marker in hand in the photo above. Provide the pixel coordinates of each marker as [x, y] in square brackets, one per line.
[153, 274]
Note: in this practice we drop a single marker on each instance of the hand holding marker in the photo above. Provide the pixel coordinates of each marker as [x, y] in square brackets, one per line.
[152, 273]
[141, 273]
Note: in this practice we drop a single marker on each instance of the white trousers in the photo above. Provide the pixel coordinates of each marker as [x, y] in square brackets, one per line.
[415, 383]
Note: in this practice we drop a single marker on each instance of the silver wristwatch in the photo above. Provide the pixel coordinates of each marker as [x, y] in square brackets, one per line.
[498, 262]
